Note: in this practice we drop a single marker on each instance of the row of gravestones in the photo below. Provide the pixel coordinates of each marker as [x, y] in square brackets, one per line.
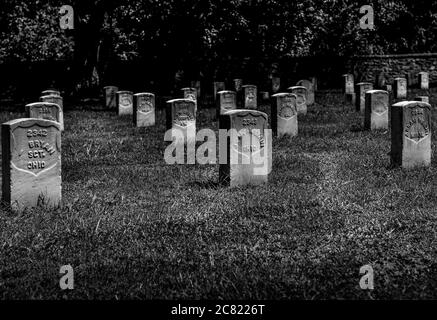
[31, 148]
[31, 155]
[355, 94]
[410, 121]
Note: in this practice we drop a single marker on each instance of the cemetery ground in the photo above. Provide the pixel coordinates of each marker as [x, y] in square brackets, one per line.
[133, 227]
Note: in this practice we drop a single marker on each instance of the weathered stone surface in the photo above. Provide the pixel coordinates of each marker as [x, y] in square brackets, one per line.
[110, 97]
[250, 97]
[394, 65]
[45, 110]
[422, 98]
[227, 100]
[284, 114]
[348, 83]
[400, 88]
[411, 134]
[249, 154]
[376, 111]
[276, 84]
[60, 102]
[50, 93]
[310, 91]
[190, 93]
[125, 104]
[31, 163]
[144, 109]
[424, 80]
[361, 89]
[302, 96]
[181, 115]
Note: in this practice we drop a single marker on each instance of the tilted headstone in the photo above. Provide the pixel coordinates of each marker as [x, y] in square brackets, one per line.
[302, 96]
[376, 111]
[411, 134]
[218, 86]
[144, 109]
[276, 84]
[424, 80]
[422, 98]
[31, 152]
[250, 99]
[227, 100]
[60, 102]
[45, 110]
[110, 97]
[248, 149]
[310, 90]
[400, 88]
[181, 115]
[348, 83]
[50, 93]
[361, 89]
[125, 104]
[284, 114]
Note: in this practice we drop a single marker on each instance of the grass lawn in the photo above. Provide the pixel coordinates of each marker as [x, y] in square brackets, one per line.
[133, 227]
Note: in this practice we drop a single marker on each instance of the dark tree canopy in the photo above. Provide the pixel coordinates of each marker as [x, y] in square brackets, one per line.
[183, 34]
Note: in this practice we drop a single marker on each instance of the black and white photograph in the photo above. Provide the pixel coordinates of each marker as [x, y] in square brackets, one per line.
[235, 152]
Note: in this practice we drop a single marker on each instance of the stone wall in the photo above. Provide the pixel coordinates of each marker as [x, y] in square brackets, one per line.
[387, 67]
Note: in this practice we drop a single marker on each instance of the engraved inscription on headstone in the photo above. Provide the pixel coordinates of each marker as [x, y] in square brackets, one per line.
[45, 110]
[31, 152]
[284, 114]
[411, 134]
[302, 96]
[125, 103]
[361, 89]
[60, 102]
[181, 115]
[144, 109]
[250, 144]
[376, 111]
[250, 97]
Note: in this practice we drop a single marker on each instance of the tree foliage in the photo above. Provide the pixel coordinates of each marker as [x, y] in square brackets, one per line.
[181, 33]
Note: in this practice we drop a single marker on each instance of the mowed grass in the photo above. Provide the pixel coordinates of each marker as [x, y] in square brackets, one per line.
[133, 227]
